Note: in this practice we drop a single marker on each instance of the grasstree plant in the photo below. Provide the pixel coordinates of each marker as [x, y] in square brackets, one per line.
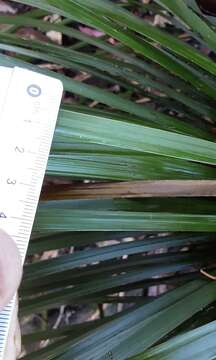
[141, 108]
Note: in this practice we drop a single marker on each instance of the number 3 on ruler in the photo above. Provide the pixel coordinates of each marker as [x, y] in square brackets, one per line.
[11, 182]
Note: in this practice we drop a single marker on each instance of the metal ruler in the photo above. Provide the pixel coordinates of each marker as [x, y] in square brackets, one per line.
[29, 105]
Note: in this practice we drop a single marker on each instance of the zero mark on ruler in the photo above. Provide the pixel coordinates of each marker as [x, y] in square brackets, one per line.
[34, 90]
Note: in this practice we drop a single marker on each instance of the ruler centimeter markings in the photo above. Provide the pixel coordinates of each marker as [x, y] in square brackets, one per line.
[29, 105]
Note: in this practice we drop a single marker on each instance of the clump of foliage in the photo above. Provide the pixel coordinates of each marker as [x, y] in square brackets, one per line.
[143, 109]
